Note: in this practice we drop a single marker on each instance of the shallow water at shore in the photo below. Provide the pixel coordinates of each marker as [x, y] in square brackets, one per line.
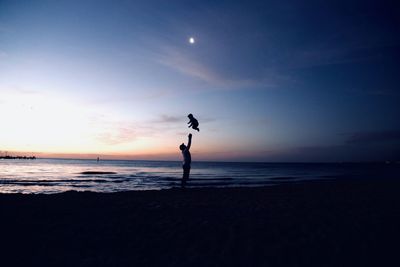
[60, 175]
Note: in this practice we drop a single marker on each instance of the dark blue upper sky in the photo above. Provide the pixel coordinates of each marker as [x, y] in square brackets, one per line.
[268, 80]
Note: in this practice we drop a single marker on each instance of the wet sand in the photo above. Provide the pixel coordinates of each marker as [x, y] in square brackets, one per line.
[331, 223]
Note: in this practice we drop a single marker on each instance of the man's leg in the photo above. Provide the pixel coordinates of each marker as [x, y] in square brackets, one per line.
[185, 177]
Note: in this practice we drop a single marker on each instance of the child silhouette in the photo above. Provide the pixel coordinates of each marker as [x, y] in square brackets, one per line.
[193, 123]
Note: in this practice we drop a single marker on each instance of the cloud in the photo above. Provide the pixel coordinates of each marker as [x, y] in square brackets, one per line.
[119, 135]
[278, 71]
[315, 56]
[169, 119]
[373, 137]
[3, 54]
[384, 92]
[207, 120]
[338, 153]
[4, 28]
[179, 61]
[109, 132]
[17, 90]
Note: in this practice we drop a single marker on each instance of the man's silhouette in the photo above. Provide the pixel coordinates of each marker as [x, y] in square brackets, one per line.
[187, 159]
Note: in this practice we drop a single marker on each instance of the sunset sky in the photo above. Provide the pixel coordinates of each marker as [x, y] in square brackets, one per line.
[267, 80]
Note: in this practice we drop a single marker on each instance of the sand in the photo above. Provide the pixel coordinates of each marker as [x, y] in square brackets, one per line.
[332, 223]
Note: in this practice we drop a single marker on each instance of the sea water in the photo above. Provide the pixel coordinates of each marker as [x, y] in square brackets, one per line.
[60, 175]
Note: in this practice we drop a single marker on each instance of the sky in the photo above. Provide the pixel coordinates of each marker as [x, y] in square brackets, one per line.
[267, 80]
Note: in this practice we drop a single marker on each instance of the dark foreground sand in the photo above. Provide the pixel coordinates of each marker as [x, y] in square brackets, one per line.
[353, 223]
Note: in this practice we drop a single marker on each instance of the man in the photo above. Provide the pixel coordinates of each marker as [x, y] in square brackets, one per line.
[187, 159]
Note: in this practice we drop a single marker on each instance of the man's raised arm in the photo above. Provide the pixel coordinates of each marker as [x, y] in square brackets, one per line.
[189, 141]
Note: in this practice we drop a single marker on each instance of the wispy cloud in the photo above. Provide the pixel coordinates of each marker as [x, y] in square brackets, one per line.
[117, 135]
[315, 56]
[373, 137]
[183, 63]
[110, 132]
[384, 92]
[169, 119]
[17, 90]
[3, 54]
[4, 28]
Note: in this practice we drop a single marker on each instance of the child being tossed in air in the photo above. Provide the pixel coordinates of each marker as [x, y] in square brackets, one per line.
[193, 123]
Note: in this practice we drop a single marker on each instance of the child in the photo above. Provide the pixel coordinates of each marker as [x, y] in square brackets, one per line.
[193, 123]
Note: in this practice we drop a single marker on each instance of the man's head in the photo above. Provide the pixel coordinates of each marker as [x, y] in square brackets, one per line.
[190, 116]
[182, 147]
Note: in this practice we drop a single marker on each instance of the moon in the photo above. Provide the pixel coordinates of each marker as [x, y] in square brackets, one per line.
[191, 40]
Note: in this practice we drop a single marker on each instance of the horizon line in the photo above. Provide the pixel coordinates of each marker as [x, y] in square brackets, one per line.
[223, 161]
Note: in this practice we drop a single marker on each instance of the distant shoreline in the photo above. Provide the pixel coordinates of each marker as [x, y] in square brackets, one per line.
[17, 157]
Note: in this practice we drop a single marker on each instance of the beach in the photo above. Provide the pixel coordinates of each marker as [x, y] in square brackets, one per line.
[313, 223]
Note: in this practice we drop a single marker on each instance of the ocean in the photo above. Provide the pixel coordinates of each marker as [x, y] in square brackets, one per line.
[49, 176]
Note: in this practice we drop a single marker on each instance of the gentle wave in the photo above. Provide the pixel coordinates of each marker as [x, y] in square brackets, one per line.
[55, 175]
